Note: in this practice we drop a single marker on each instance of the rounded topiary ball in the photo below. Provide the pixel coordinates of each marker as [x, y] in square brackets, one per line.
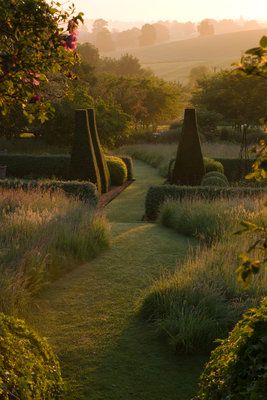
[28, 367]
[213, 165]
[216, 174]
[214, 181]
[237, 367]
[118, 170]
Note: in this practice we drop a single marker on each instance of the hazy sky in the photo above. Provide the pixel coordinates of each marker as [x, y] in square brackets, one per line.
[182, 10]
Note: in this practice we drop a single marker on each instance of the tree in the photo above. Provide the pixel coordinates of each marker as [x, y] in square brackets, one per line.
[206, 28]
[198, 73]
[239, 98]
[149, 100]
[89, 54]
[36, 39]
[148, 35]
[162, 33]
[102, 36]
[254, 61]
[128, 38]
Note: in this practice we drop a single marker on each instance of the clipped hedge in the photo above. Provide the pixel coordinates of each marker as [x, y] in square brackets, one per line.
[28, 367]
[157, 195]
[209, 164]
[26, 166]
[34, 167]
[214, 181]
[235, 169]
[83, 163]
[99, 154]
[217, 175]
[129, 165]
[237, 367]
[117, 169]
[85, 191]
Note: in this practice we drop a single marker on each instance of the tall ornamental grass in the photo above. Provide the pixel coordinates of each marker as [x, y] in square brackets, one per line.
[208, 222]
[42, 236]
[203, 299]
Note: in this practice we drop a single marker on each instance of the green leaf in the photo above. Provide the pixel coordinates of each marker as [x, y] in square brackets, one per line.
[263, 42]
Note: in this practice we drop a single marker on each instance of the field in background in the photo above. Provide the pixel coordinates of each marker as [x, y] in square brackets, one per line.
[174, 60]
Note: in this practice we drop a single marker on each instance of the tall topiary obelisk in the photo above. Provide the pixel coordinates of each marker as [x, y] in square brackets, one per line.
[189, 165]
[83, 165]
[100, 157]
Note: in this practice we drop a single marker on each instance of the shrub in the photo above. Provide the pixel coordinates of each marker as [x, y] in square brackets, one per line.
[217, 175]
[235, 168]
[157, 195]
[117, 170]
[202, 300]
[212, 165]
[237, 367]
[29, 166]
[129, 165]
[100, 158]
[198, 219]
[85, 191]
[209, 163]
[28, 367]
[83, 165]
[189, 166]
[214, 181]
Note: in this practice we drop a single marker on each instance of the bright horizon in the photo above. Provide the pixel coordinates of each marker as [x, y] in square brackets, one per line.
[153, 10]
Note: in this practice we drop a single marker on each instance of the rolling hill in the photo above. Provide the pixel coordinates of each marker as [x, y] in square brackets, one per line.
[174, 60]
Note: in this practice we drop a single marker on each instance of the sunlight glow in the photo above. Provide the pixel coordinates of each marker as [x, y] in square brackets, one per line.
[152, 10]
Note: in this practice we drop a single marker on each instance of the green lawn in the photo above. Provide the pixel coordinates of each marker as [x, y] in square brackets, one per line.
[106, 353]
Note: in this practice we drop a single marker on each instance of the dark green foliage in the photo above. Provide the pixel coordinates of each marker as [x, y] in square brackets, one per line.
[206, 181]
[217, 174]
[209, 164]
[100, 158]
[28, 166]
[85, 191]
[237, 367]
[129, 165]
[28, 367]
[157, 195]
[117, 170]
[235, 168]
[83, 165]
[189, 166]
[219, 181]
[213, 165]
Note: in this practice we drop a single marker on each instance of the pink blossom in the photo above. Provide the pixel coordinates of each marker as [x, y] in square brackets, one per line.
[35, 99]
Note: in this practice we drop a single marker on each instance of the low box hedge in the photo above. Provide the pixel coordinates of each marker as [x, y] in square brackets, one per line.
[47, 166]
[85, 191]
[31, 166]
[157, 195]
[235, 168]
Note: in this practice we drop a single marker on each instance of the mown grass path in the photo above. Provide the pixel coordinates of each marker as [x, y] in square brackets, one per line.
[88, 316]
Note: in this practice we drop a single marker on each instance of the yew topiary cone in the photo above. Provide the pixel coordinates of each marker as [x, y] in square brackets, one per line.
[189, 165]
[83, 166]
[100, 158]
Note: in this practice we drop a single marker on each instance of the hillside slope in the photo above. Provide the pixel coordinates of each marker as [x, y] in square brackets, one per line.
[174, 60]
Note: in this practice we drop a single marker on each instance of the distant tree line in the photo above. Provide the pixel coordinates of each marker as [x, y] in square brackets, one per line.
[107, 40]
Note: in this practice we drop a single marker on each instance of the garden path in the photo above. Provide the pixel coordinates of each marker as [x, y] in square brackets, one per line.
[88, 315]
